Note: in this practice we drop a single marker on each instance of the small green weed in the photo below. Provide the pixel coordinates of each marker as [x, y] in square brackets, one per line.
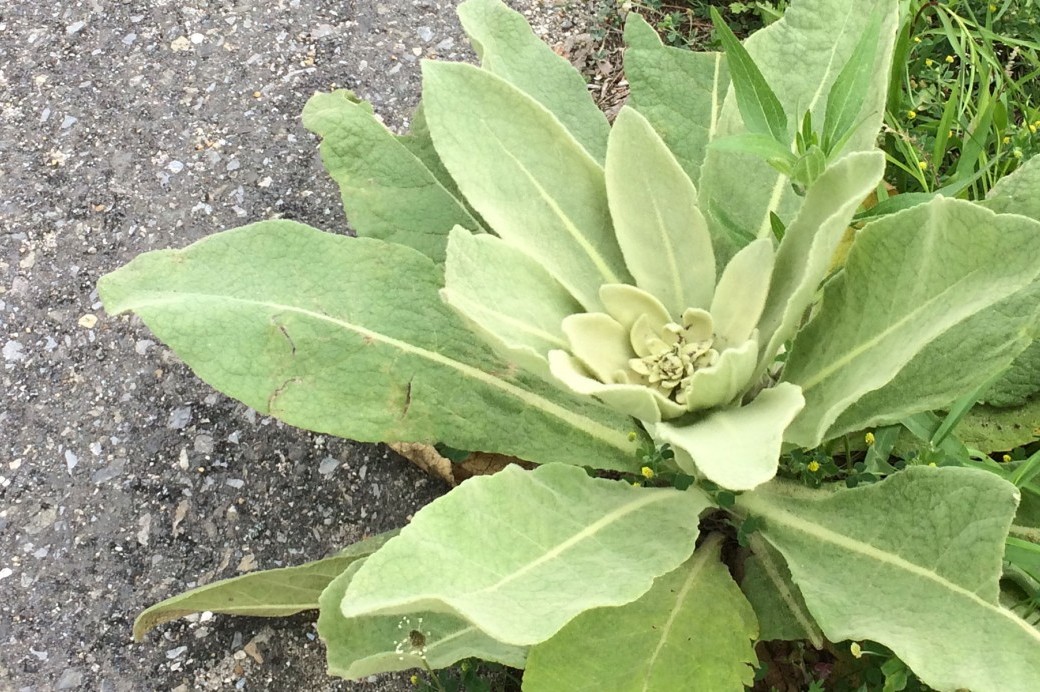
[964, 102]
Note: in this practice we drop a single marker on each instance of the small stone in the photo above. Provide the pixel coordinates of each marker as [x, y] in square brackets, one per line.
[70, 679]
[142, 346]
[69, 121]
[235, 483]
[204, 444]
[233, 165]
[425, 33]
[174, 653]
[6, 572]
[70, 460]
[88, 321]
[144, 534]
[197, 38]
[247, 563]
[180, 43]
[179, 418]
[175, 167]
[446, 44]
[14, 351]
[75, 28]
[328, 465]
[110, 472]
[129, 38]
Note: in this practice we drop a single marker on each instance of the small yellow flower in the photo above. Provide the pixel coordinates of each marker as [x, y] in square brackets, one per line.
[1006, 458]
[949, 59]
[1017, 153]
[414, 680]
[1006, 140]
[814, 466]
[637, 484]
[917, 39]
[856, 650]
[923, 165]
[1036, 124]
[869, 437]
[910, 115]
[1032, 128]
[632, 436]
[929, 62]
[647, 472]
[992, 7]
[931, 463]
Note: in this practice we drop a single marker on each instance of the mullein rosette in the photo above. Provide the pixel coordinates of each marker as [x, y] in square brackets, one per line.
[659, 338]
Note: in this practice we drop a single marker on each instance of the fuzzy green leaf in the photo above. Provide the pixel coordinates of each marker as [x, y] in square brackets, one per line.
[525, 174]
[348, 336]
[661, 232]
[507, 297]
[1020, 382]
[686, 118]
[549, 545]
[362, 646]
[693, 630]
[388, 191]
[777, 602]
[945, 328]
[809, 243]
[737, 448]
[914, 563]
[800, 56]
[850, 88]
[1000, 429]
[508, 48]
[271, 593]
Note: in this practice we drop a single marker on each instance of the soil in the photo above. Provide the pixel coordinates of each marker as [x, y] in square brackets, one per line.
[128, 126]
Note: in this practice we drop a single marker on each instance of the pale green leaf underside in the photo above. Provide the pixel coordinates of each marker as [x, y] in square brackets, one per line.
[525, 175]
[358, 647]
[809, 242]
[549, 544]
[388, 192]
[662, 233]
[968, 265]
[508, 48]
[271, 593]
[1000, 429]
[800, 56]
[1021, 380]
[739, 447]
[912, 562]
[507, 297]
[693, 630]
[686, 118]
[348, 336]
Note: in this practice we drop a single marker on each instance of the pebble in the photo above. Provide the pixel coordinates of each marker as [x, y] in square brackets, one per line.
[142, 346]
[113, 470]
[174, 653]
[88, 321]
[233, 165]
[70, 460]
[235, 483]
[204, 444]
[14, 351]
[425, 33]
[179, 418]
[75, 28]
[175, 167]
[70, 679]
[6, 572]
[328, 466]
[69, 121]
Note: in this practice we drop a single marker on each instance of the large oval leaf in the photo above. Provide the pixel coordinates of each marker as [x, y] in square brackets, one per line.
[877, 318]
[348, 336]
[914, 563]
[508, 48]
[544, 546]
[388, 192]
[693, 630]
[525, 174]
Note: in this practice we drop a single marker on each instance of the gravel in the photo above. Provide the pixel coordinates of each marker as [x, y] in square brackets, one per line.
[128, 126]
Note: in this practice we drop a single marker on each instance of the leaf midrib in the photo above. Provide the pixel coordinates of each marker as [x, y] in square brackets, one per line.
[592, 428]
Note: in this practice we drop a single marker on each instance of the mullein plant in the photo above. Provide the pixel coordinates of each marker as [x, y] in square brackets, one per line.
[532, 281]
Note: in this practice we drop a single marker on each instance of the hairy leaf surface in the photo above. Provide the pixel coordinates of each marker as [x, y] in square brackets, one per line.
[693, 630]
[686, 118]
[887, 342]
[362, 646]
[508, 48]
[348, 336]
[388, 191]
[912, 562]
[525, 175]
[548, 545]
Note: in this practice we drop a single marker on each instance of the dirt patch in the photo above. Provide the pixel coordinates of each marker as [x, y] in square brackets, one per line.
[127, 127]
